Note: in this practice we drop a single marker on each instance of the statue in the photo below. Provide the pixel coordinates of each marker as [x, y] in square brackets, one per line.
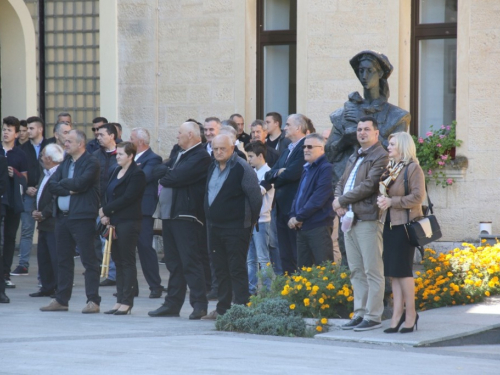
[372, 69]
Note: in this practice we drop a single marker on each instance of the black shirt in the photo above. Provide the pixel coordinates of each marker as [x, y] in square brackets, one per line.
[273, 144]
[16, 158]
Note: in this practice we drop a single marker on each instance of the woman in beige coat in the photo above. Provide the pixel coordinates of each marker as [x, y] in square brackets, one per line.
[395, 206]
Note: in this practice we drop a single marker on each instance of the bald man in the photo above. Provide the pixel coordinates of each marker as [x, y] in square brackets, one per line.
[181, 211]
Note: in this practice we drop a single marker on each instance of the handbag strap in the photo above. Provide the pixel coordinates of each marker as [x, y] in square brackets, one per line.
[407, 191]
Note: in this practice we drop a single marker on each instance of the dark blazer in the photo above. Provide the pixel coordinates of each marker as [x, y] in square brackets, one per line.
[46, 206]
[287, 183]
[315, 208]
[127, 195]
[34, 168]
[85, 183]
[107, 161]
[188, 183]
[147, 162]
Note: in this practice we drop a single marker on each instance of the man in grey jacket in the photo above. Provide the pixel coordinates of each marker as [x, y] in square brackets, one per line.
[356, 193]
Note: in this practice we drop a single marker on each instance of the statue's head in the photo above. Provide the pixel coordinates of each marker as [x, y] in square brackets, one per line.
[372, 69]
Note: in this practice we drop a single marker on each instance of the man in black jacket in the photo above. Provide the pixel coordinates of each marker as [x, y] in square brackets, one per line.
[232, 205]
[181, 206]
[4, 181]
[94, 145]
[42, 212]
[76, 187]
[285, 175]
[32, 149]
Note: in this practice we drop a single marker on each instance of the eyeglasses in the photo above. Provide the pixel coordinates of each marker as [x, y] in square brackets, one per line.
[95, 129]
[309, 147]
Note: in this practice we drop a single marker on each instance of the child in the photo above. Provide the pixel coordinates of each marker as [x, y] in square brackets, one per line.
[258, 252]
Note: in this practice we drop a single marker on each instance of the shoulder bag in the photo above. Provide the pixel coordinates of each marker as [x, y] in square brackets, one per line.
[423, 229]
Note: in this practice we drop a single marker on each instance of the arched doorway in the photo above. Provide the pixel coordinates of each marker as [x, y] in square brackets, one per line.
[17, 60]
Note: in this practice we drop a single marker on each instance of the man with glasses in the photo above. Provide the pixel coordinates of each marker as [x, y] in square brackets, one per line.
[94, 144]
[312, 213]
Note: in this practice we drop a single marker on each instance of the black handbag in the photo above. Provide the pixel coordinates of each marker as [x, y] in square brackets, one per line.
[424, 229]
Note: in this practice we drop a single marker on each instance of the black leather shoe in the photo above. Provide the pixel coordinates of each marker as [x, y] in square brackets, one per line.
[107, 282]
[164, 310]
[4, 298]
[156, 293]
[41, 294]
[197, 314]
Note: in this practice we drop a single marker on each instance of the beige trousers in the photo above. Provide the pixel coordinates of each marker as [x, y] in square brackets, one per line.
[364, 255]
[337, 256]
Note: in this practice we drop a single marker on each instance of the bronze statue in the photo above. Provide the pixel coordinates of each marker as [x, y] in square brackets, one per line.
[372, 69]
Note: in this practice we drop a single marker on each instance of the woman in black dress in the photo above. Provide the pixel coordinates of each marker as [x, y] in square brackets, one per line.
[395, 207]
[122, 209]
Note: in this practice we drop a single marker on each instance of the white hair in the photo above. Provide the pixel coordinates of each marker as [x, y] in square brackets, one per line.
[229, 131]
[54, 152]
[142, 134]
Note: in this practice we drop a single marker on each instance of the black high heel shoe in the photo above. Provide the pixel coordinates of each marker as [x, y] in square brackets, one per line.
[407, 330]
[110, 312]
[395, 329]
[124, 312]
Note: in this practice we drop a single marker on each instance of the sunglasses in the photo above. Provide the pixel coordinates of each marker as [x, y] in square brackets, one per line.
[309, 147]
[95, 129]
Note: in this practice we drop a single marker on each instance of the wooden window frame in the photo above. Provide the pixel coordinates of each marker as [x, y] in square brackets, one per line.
[422, 31]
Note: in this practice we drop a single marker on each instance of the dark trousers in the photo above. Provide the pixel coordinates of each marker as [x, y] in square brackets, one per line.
[71, 233]
[184, 262]
[314, 246]
[229, 248]
[47, 261]
[287, 241]
[208, 269]
[10, 226]
[2, 279]
[123, 254]
[147, 254]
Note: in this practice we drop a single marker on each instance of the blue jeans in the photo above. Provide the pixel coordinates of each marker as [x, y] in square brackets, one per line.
[258, 255]
[27, 230]
[274, 250]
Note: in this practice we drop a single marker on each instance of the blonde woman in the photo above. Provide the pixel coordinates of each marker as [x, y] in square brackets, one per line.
[395, 205]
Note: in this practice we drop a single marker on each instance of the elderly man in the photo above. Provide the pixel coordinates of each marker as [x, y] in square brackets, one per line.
[42, 212]
[61, 131]
[232, 204]
[75, 185]
[285, 175]
[312, 212]
[357, 192]
[181, 210]
[147, 160]
[259, 133]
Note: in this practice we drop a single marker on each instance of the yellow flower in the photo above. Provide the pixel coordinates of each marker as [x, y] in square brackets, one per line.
[299, 287]
[449, 274]
[351, 315]
[319, 328]
[325, 278]
[292, 306]
[249, 304]
[321, 300]
[330, 286]
[343, 275]
[350, 298]
[268, 264]
[437, 298]
[315, 288]
[284, 292]
[309, 269]
[306, 302]
[324, 321]
[487, 293]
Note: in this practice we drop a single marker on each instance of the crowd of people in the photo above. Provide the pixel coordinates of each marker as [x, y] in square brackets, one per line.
[231, 204]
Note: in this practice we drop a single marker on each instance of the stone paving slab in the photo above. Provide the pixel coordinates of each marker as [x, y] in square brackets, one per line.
[434, 326]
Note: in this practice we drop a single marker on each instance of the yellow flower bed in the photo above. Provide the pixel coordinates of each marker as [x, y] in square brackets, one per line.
[458, 277]
[318, 292]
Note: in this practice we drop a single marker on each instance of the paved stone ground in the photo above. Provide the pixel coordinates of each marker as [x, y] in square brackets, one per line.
[32, 342]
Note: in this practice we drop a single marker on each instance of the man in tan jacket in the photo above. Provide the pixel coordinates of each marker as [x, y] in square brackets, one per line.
[356, 193]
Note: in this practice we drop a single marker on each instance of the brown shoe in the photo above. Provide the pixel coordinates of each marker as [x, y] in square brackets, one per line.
[54, 306]
[91, 308]
[210, 316]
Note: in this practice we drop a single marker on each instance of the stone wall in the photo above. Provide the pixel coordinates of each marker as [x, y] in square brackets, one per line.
[178, 62]
[476, 197]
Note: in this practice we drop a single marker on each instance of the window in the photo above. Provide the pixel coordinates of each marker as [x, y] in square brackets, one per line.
[433, 64]
[276, 57]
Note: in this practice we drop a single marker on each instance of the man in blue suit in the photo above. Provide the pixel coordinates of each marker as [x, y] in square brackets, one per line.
[285, 175]
[147, 160]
